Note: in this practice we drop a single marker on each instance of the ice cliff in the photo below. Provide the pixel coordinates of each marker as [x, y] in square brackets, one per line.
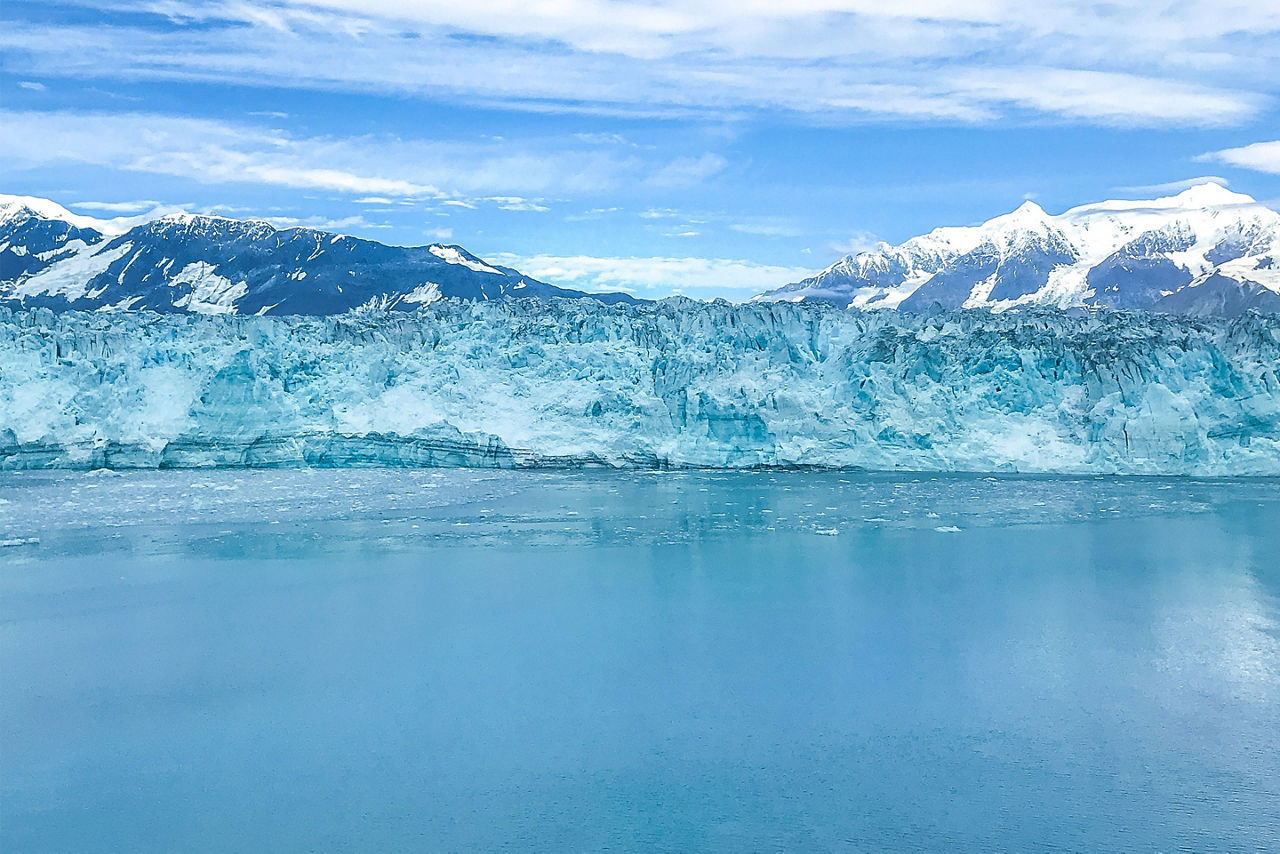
[671, 384]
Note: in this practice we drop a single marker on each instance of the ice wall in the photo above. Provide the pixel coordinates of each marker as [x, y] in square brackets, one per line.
[673, 384]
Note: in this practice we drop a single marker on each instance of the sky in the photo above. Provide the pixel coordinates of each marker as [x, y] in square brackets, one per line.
[715, 148]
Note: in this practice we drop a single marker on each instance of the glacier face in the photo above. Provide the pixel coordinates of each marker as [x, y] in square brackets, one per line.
[50, 257]
[1202, 252]
[671, 384]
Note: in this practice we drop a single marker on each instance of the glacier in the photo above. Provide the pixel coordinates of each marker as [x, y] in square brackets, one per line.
[672, 384]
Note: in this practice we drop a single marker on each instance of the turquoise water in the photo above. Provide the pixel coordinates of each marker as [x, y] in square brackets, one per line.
[453, 660]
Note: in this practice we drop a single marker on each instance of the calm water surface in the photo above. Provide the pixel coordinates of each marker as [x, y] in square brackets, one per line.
[404, 660]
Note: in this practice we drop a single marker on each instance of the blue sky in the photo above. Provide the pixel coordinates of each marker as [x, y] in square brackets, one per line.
[705, 147]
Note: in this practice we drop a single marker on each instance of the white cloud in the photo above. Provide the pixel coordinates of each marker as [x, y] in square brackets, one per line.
[766, 229]
[859, 241]
[516, 203]
[603, 139]
[1160, 62]
[205, 150]
[656, 275]
[32, 85]
[1171, 187]
[119, 207]
[376, 170]
[321, 223]
[688, 171]
[1260, 157]
[591, 214]
[1110, 97]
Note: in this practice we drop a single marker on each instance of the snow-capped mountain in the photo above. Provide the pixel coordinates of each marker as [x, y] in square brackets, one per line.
[215, 265]
[1204, 251]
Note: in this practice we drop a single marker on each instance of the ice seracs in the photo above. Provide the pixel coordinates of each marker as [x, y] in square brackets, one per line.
[673, 384]
[1130, 254]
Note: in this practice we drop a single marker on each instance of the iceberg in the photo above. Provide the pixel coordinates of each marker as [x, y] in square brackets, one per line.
[673, 384]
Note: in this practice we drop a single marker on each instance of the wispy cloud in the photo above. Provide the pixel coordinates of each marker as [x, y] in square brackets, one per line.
[1162, 62]
[322, 223]
[1173, 186]
[766, 229]
[135, 207]
[1260, 157]
[857, 242]
[688, 171]
[375, 170]
[656, 275]
[1111, 97]
[32, 86]
[603, 139]
[516, 203]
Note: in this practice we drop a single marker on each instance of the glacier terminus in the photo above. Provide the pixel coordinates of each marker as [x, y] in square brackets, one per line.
[671, 384]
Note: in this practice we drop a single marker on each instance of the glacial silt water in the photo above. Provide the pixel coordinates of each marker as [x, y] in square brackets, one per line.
[462, 660]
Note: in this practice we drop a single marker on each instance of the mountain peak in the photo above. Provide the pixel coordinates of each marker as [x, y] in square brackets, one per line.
[185, 218]
[1211, 194]
[212, 264]
[1024, 214]
[12, 207]
[1128, 254]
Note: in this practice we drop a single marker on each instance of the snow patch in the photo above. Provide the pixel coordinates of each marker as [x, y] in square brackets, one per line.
[70, 277]
[451, 255]
[210, 293]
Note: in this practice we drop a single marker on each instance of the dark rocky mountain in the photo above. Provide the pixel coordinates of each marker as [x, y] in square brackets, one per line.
[213, 265]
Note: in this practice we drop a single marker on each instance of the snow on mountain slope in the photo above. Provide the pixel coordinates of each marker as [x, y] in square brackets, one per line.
[203, 264]
[1146, 254]
[22, 207]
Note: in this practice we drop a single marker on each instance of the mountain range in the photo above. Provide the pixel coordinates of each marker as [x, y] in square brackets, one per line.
[1204, 251]
[216, 265]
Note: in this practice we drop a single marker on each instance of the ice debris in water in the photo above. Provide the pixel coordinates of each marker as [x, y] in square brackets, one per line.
[672, 384]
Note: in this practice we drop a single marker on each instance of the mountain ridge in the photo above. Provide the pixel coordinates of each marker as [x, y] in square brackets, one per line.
[1127, 254]
[206, 264]
[1204, 251]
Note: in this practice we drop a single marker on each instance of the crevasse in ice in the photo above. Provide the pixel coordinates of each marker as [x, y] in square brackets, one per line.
[672, 384]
